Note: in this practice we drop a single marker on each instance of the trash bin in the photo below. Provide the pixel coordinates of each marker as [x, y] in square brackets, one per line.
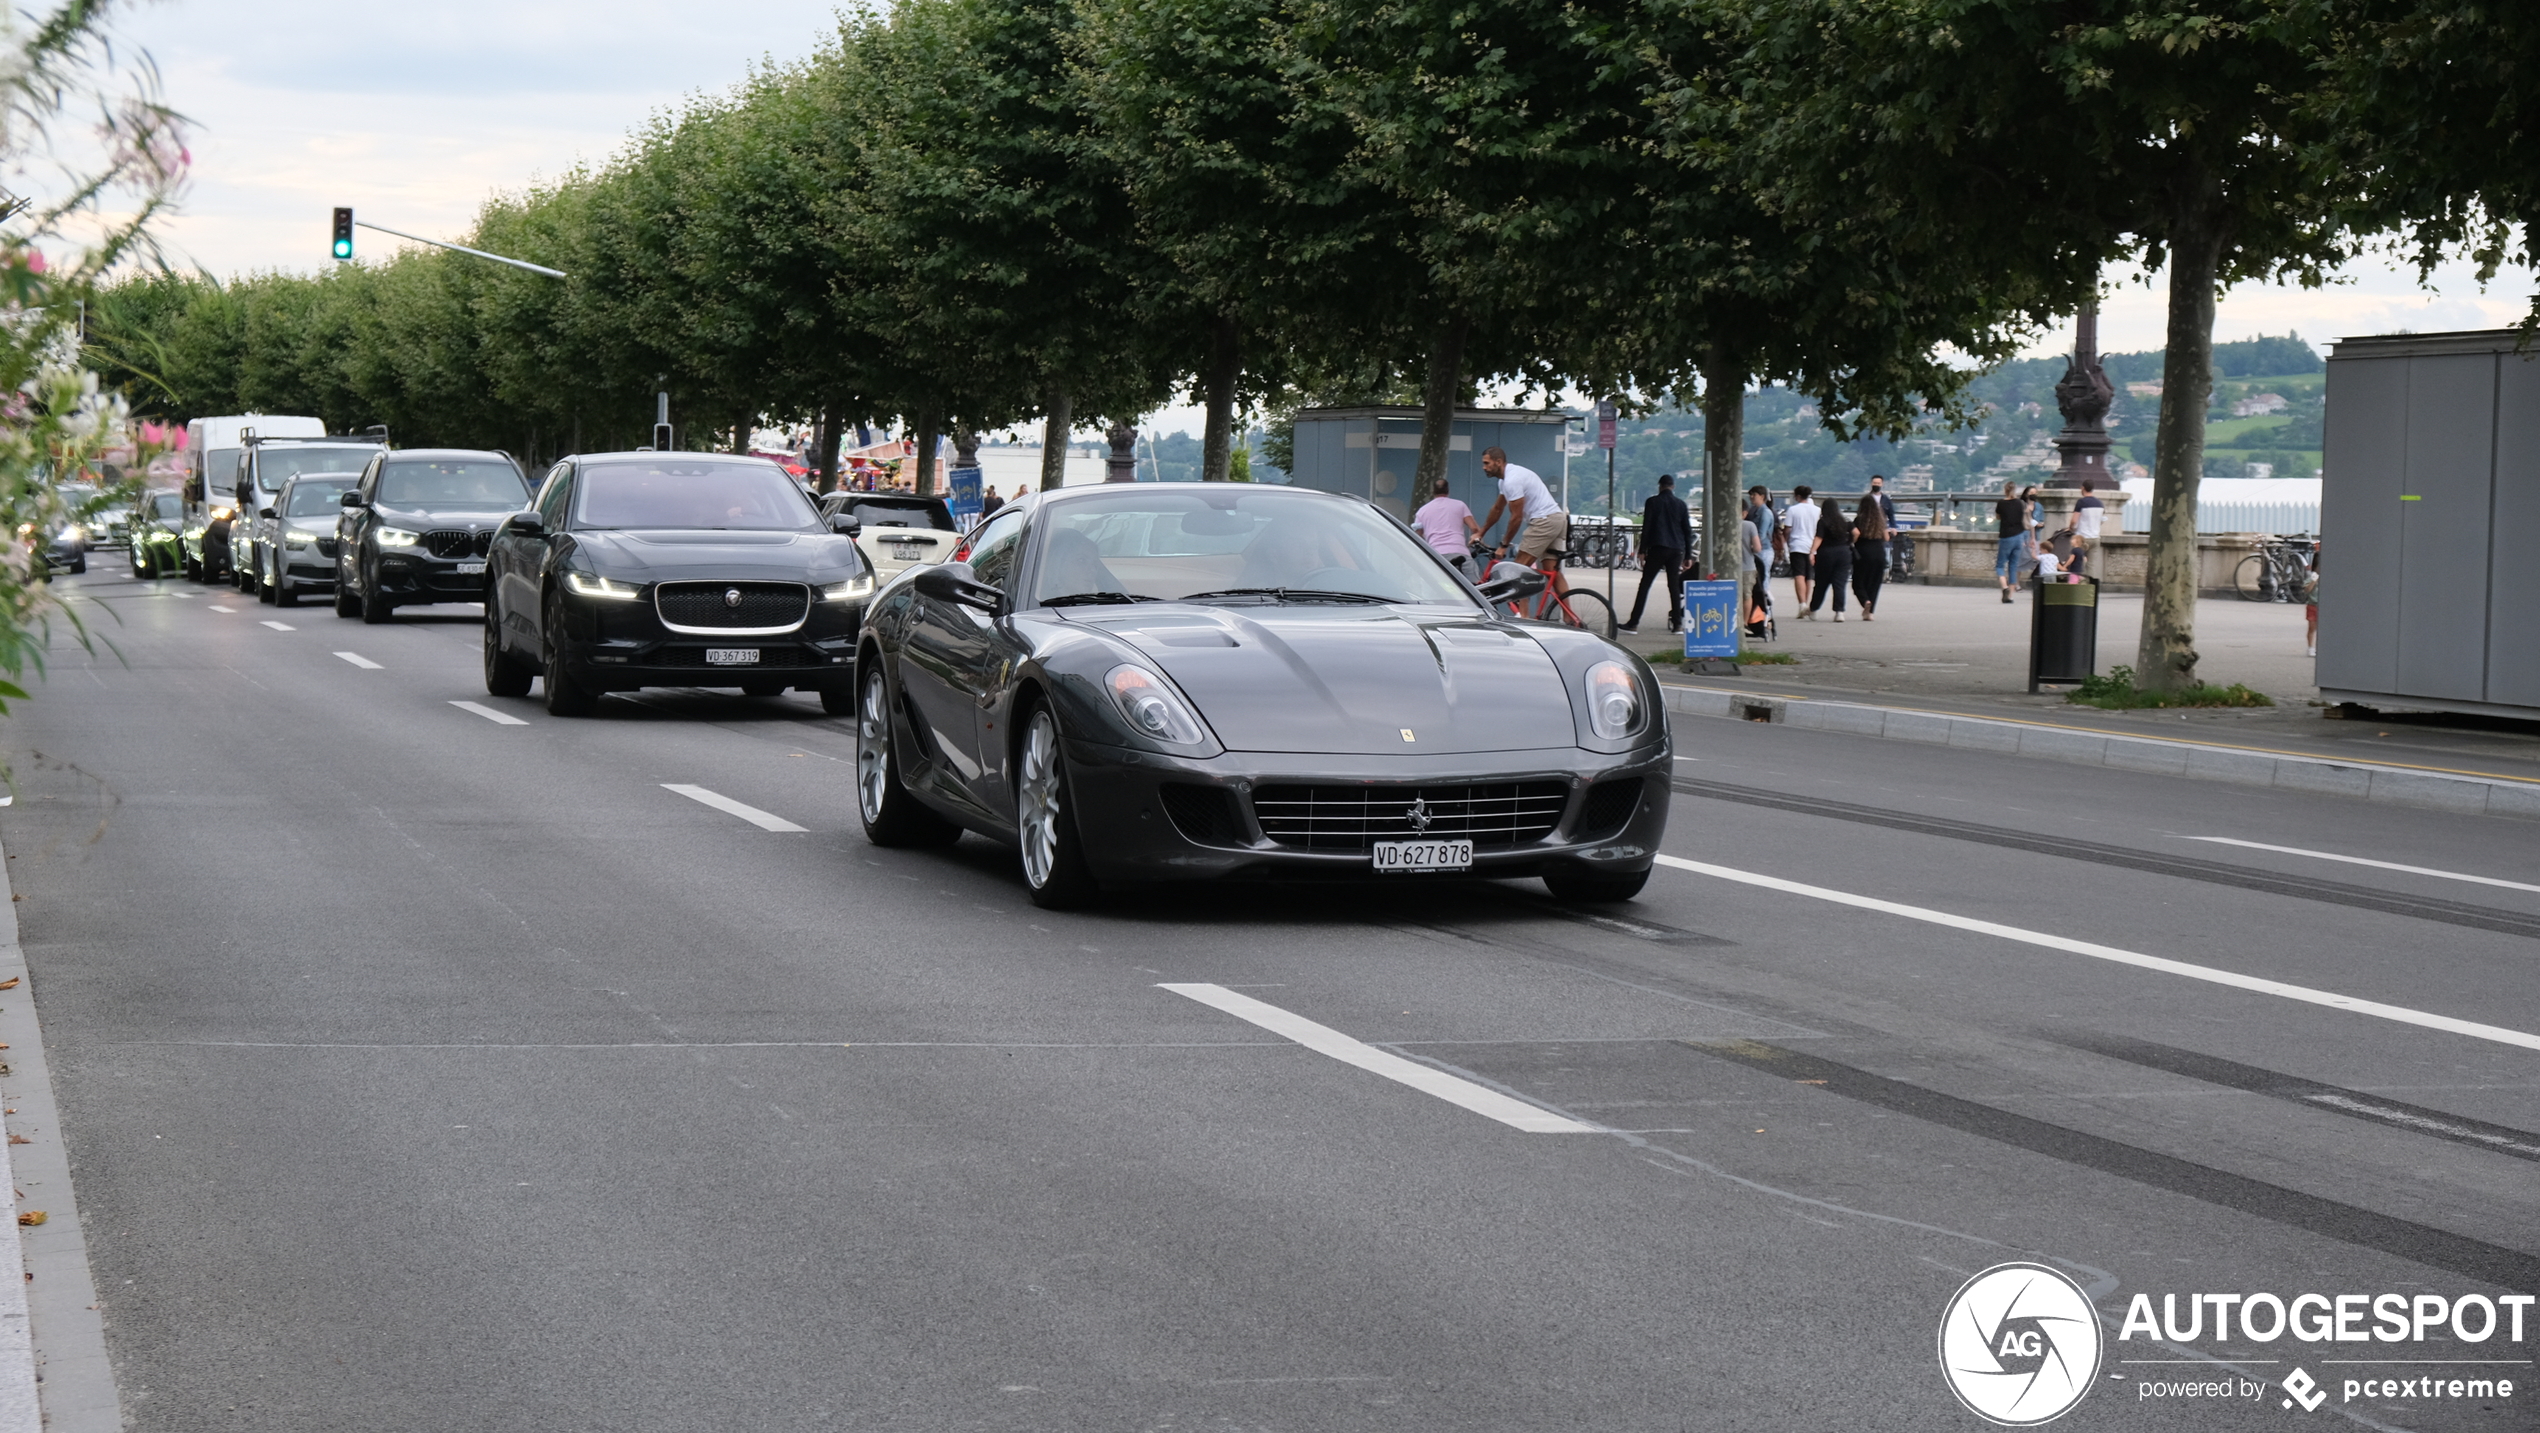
[2063, 633]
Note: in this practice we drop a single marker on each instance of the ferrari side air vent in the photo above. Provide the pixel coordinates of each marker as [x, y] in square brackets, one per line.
[1205, 814]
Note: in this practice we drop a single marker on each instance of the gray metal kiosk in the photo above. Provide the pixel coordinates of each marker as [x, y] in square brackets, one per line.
[1372, 452]
[2429, 571]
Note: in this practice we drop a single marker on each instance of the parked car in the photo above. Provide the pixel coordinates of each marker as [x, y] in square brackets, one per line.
[672, 569]
[417, 527]
[896, 531]
[157, 522]
[295, 537]
[1183, 681]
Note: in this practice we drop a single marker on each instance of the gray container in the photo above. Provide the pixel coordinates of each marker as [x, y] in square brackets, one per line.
[2430, 491]
[1372, 452]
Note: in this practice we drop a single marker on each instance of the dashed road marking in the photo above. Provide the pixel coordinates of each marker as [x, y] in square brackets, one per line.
[278, 626]
[726, 804]
[219, 608]
[2361, 861]
[504, 718]
[366, 664]
[1324, 1040]
[2400, 1013]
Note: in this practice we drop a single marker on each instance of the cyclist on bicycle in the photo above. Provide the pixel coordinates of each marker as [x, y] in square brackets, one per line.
[1537, 527]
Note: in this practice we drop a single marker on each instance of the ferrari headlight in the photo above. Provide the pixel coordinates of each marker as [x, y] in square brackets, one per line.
[1152, 708]
[849, 590]
[1614, 705]
[397, 537]
[584, 584]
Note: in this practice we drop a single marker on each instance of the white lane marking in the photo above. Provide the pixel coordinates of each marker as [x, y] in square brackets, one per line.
[505, 718]
[726, 804]
[1324, 1040]
[367, 665]
[279, 626]
[219, 608]
[2361, 861]
[2237, 981]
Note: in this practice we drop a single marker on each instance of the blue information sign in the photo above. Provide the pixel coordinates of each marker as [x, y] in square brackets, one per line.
[966, 497]
[1710, 619]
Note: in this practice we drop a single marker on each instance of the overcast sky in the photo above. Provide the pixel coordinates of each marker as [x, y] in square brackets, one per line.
[416, 114]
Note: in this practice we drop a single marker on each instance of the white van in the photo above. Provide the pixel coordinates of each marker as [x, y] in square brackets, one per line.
[212, 448]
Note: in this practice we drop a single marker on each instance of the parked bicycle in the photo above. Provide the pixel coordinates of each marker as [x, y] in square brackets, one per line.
[2279, 571]
[1596, 544]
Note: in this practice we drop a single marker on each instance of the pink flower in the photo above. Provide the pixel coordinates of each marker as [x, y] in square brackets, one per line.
[35, 261]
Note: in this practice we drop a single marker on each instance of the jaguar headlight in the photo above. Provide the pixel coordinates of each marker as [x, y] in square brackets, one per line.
[1614, 702]
[1153, 709]
[584, 584]
[849, 590]
[397, 537]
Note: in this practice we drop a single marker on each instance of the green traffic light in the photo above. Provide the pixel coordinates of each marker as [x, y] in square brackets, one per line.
[343, 248]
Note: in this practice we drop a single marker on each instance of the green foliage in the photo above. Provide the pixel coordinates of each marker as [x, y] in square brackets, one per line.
[2117, 692]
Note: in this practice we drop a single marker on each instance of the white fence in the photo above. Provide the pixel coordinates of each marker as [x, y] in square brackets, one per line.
[2269, 505]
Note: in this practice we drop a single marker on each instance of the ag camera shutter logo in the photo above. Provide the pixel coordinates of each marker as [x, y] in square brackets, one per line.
[2020, 1345]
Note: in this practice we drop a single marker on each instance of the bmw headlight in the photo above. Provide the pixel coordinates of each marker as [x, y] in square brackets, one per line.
[1153, 709]
[397, 537]
[584, 584]
[1614, 704]
[849, 590]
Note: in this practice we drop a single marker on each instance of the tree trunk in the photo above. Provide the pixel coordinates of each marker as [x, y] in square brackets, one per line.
[927, 430]
[1054, 430]
[1723, 439]
[826, 467]
[1123, 464]
[1437, 408]
[1225, 365]
[2165, 661]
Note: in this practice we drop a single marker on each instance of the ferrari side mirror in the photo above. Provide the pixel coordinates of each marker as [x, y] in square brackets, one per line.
[1511, 582]
[950, 582]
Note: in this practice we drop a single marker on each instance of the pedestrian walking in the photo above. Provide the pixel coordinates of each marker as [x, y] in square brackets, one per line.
[1833, 558]
[1759, 597]
[2036, 530]
[2010, 519]
[989, 504]
[2088, 513]
[1869, 554]
[1666, 544]
[1449, 526]
[1799, 520]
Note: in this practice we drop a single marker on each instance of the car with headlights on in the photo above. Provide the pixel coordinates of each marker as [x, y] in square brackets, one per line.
[1222, 681]
[667, 569]
[295, 538]
[896, 531]
[417, 528]
[264, 465]
[158, 519]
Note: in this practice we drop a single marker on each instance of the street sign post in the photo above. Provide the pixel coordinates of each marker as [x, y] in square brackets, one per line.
[1607, 420]
[967, 499]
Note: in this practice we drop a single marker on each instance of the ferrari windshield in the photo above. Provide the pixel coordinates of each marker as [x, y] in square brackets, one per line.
[1235, 542]
[670, 493]
[446, 483]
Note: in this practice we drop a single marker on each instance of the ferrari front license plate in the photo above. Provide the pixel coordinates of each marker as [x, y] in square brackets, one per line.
[471, 569]
[1424, 855]
[731, 656]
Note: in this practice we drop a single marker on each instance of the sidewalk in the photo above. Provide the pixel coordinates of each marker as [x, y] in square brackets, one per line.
[1960, 651]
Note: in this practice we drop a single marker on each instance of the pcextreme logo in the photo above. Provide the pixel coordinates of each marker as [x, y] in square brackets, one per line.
[2020, 1345]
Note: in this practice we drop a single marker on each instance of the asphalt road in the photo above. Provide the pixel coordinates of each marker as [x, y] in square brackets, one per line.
[423, 1071]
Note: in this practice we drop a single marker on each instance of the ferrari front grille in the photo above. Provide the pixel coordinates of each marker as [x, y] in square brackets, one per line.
[1351, 818]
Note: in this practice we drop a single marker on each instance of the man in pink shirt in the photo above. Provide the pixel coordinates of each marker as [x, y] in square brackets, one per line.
[1448, 525]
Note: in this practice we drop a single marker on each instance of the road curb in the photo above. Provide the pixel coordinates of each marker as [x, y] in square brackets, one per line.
[52, 1332]
[2466, 794]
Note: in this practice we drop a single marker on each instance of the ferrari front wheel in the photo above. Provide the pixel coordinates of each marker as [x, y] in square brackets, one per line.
[892, 817]
[1053, 849]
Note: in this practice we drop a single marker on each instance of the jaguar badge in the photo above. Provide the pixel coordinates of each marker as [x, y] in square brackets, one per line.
[731, 596]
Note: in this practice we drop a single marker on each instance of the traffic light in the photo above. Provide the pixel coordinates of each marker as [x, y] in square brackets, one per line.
[343, 233]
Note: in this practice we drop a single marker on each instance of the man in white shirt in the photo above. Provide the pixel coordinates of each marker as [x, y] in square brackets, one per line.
[1537, 527]
[1800, 521]
[2088, 513]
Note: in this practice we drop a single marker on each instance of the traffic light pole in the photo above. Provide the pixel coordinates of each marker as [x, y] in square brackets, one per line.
[463, 249]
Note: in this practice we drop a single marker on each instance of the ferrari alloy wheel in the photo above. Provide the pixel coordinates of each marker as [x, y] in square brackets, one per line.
[1053, 853]
[892, 817]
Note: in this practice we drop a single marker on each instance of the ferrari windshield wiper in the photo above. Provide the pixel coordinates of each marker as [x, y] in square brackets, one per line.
[1291, 594]
[1087, 599]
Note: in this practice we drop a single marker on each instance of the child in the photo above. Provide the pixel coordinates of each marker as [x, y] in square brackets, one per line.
[2047, 564]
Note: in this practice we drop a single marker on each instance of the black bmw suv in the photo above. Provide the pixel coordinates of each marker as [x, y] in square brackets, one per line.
[417, 526]
[673, 570]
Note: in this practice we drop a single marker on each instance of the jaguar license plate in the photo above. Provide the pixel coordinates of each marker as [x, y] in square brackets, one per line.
[471, 569]
[1424, 855]
[731, 656]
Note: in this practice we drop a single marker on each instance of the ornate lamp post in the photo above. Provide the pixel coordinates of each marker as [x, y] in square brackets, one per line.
[2083, 395]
